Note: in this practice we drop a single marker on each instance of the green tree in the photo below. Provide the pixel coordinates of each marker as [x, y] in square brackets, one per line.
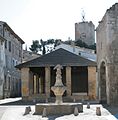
[57, 42]
[68, 42]
[50, 41]
[35, 46]
[54, 43]
[93, 47]
[80, 43]
[43, 46]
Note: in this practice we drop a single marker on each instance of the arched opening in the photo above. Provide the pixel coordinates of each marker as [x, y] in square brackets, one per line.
[102, 84]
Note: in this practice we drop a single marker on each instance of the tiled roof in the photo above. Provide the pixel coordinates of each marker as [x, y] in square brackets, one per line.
[60, 56]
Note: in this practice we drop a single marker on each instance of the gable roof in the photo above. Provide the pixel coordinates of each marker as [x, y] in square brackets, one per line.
[8, 27]
[59, 56]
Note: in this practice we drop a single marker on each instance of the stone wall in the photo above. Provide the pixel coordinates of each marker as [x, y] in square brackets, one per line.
[107, 52]
[27, 56]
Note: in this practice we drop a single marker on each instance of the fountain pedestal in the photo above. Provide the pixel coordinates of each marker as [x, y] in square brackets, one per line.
[58, 88]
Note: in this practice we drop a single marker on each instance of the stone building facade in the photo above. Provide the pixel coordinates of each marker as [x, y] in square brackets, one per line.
[2, 66]
[28, 55]
[78, 75]
[85, 31]
[13, 56]
[107, 56]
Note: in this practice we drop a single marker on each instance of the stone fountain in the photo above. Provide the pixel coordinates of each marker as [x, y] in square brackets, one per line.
[58, 88]
[58, 108]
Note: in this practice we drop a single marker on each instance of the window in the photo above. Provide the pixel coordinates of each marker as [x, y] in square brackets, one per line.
[9, 34]
[19, 53]
[6, 60]
[1, 30]
[13, 62]
[5, 83]
[9, 46]
[13, 84]
[6, 44]
[9, 79]
[1, 42]
[79, 53]
[13, 48]
[16, 62]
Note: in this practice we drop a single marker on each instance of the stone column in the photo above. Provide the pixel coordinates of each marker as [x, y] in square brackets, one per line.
[92, 82]
[68, 80]
[98, 83]
[47, 81]
[34, 84]
[37, 83]
[40, 85]
[31, 83]
[25, 76]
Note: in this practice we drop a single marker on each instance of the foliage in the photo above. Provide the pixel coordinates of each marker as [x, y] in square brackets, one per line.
[43, 46]
[69, 42]
[57, 42]
[93, 47]
[80, 43]
[35, 46]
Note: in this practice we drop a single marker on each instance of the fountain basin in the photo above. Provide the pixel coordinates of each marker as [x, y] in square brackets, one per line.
[55, 109]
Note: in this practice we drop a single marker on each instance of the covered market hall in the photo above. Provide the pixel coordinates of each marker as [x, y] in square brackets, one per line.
[78, 75]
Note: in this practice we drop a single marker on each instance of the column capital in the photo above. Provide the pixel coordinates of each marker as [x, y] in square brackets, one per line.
[68, 67]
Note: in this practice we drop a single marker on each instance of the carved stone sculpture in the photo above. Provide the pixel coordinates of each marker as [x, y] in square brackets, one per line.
[58, 88]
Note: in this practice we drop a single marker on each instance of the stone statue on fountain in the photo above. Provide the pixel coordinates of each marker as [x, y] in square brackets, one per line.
[58, 87]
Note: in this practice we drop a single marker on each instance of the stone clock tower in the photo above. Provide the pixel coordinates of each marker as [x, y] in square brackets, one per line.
[85, 31]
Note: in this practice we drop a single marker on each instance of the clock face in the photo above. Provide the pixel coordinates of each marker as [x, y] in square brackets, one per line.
[83, 35]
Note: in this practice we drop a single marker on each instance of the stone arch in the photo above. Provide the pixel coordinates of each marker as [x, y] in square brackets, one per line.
[102, 83]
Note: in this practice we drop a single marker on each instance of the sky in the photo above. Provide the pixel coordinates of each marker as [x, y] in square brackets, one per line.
[50, 19]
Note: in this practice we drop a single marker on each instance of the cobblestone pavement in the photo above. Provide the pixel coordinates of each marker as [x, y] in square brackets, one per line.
[5, 105]
[2, 110]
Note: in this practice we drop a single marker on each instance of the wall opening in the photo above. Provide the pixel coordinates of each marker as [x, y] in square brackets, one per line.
[79, 79]
[102, 84]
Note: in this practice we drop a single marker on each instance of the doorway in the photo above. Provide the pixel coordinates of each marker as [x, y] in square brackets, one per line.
[102, 84]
